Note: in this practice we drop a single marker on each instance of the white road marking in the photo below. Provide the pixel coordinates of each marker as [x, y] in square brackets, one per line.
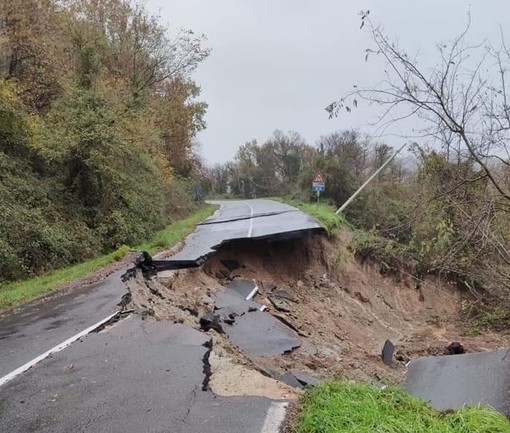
[53, 350]
[253, 292]
[274, 418]
[250, 230]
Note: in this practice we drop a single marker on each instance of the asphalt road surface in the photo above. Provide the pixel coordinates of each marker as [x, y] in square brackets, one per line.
[132, 376]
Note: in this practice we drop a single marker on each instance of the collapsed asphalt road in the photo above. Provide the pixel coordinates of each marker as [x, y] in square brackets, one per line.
[246, 219]
[133, 376]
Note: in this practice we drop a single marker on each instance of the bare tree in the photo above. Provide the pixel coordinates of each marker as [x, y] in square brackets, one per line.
[462, 102]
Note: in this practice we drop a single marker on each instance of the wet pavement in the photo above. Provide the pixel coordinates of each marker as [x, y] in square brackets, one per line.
[36, 327]
[136, 377]
[452, 381]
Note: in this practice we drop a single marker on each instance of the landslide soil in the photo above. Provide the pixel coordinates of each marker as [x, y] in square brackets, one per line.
[342, 310]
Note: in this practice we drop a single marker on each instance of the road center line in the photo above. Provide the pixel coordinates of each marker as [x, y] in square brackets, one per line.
[7, 378]
[250, 230]
[274, 418]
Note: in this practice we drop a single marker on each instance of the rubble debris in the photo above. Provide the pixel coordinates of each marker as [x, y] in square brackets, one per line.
[455, 348]
[402, 357]
[154, 290]
[284, 294]
[288, 323]
[387, 353]
[291, 380]
[267, 287]
[362, 297]
[298, 379]
[279, 303]
[167, 278]
[211, 321]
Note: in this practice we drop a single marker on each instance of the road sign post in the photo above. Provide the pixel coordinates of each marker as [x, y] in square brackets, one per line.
[318, 184]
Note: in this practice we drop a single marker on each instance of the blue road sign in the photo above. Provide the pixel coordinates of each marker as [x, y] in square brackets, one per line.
[320, 188]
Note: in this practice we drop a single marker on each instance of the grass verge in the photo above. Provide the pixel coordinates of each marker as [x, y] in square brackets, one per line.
[22, 291]
[322, 212]
[333, 407]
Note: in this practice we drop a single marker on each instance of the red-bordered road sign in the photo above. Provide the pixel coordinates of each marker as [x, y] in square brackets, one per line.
[319, 178]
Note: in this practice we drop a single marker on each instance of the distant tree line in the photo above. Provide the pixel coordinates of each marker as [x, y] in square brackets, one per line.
[426, 214]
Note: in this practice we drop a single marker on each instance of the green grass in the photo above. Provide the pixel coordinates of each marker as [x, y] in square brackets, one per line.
[322, 212]
[15, 293]
[334, 407]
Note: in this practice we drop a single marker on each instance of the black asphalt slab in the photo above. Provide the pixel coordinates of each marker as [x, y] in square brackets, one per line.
[36, 327]
[246, 219]
[450, 382]
[250, 329]
[259, 333]
[136, 377]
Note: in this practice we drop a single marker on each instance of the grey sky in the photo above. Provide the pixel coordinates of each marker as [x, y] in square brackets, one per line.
[276, 64]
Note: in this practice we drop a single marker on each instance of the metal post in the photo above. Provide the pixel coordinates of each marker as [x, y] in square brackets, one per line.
[352, 197]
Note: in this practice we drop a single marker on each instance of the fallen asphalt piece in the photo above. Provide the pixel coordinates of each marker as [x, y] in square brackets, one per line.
[259, 333]
[452, 381]
[137, 377]
[298, 379]
[250, 329]
[387, 353]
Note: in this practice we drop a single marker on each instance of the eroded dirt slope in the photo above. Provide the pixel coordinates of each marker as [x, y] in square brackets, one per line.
[343, 311]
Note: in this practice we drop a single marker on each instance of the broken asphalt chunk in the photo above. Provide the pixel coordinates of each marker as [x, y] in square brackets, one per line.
[279, 303]
[298, 379]
[387, 353]
[284, 295]
[211, 321]
[455, 348]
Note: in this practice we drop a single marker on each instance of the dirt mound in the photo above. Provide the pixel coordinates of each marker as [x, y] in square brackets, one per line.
[343, 311]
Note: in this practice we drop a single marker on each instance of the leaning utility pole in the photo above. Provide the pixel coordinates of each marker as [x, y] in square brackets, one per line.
[381, 168]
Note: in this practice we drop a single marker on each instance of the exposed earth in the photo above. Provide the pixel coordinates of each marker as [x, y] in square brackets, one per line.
[340, 310]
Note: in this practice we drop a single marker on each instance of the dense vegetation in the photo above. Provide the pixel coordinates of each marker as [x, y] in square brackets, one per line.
[358, 408]
[97, 123]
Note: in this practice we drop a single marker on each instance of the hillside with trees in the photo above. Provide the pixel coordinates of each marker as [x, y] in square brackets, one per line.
[98, 115]
[432, 214]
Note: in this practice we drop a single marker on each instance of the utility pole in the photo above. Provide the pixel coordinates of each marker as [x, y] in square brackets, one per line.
[381, 168]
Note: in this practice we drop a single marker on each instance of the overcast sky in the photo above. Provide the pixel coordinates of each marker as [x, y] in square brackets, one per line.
[276, 64]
